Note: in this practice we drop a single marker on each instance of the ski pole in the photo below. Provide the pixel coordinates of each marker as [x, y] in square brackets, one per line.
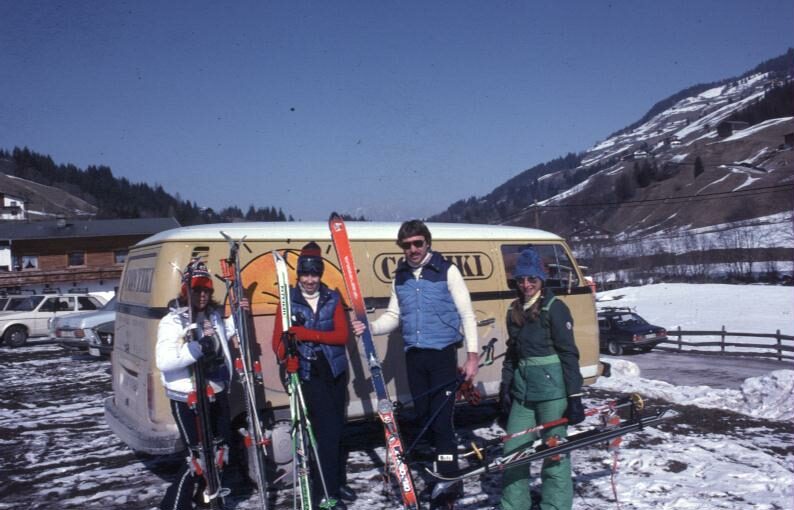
[487, 353]
[458, 381]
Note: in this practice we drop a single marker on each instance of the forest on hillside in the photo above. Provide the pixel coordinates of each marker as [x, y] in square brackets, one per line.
[119, 198]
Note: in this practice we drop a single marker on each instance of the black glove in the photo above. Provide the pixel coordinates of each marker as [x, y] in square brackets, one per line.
[575, 410]
[209, 347]
[505, 400]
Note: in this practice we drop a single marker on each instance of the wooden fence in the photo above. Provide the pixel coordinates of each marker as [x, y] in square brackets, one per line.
[777, 350]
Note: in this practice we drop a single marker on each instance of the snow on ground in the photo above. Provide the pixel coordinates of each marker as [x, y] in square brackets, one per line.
[725, 449]
[703, 307]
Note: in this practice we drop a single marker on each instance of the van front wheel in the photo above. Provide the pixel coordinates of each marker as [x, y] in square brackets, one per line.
[15, 336]
[615, 348]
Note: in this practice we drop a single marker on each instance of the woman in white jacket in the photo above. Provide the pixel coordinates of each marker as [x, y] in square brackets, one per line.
[180, 345]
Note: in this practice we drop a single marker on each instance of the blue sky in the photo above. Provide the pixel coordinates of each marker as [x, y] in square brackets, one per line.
[390, 109]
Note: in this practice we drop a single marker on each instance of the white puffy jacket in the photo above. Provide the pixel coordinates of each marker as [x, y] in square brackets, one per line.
[175, 354]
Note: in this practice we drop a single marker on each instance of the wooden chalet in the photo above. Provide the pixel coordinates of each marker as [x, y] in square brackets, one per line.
[63, 253]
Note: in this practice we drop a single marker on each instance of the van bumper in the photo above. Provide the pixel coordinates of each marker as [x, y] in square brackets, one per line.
[153, 442]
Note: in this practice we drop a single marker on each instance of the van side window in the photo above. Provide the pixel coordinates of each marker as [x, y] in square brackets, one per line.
[560, 270]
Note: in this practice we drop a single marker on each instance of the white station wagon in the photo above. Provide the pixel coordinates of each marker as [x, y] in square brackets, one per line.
[30, 315]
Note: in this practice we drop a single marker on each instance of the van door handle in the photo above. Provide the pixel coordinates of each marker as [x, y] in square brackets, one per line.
[486, 322]
[371, 309]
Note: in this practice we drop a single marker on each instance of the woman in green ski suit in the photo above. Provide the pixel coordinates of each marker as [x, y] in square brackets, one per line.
[542, 378]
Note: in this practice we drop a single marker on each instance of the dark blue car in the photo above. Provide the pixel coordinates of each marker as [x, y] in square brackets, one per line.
[621, 329]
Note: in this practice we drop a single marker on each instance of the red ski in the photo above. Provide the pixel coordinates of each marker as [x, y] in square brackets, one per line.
[394, 444]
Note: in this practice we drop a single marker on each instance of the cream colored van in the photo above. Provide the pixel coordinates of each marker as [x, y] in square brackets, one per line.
[138, 411]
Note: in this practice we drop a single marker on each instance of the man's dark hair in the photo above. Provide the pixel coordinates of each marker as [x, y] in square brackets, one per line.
[413, 228]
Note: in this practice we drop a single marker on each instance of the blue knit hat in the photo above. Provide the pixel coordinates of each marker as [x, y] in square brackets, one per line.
[529, 264]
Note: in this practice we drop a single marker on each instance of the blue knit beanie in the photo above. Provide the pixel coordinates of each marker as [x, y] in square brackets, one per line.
[529, 264]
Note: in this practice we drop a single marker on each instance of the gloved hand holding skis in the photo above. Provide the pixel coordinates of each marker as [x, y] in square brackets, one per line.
[209, 343]
[292, 364]
[575, 410]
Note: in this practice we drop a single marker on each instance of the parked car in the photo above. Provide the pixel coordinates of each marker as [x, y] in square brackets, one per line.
[102, 342]
[30, 316]
[621, 329]
[9, 301]
[78, 330]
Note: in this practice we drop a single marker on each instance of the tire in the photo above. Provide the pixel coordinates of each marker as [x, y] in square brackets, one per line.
[614, 348]
[16, 336]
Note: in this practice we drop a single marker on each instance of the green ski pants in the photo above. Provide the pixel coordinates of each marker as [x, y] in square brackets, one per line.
[557, 484]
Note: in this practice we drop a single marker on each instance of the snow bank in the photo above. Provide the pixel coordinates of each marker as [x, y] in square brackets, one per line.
[770, 396]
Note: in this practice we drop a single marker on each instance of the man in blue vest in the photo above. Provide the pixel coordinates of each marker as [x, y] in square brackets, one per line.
[431, 303]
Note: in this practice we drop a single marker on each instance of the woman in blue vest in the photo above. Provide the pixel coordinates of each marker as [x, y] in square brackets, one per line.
[541, 374]
[321, 328]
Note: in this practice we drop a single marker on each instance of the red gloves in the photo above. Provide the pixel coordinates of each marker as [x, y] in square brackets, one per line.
[292, 364]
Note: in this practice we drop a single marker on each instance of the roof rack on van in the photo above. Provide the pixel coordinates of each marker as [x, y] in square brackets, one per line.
[51, 290]
[78, 290]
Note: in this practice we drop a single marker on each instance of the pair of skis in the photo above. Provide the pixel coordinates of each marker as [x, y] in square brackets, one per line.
[209, 458]
[395, 453]
[303, 436]
[248, 368]
[540, 449]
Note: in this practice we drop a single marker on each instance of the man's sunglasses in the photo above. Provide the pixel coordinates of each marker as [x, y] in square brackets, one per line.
[527, 279]
[419, 243]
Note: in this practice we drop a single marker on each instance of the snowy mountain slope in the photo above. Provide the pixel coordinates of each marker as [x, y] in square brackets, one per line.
[45, 202]
[680, 172]
[751, 158]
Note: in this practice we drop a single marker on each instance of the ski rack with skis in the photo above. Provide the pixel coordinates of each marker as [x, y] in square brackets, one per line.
[394, 458]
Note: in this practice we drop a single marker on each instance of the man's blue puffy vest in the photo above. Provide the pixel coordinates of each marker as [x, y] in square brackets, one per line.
[322, 320]
[427, 312]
